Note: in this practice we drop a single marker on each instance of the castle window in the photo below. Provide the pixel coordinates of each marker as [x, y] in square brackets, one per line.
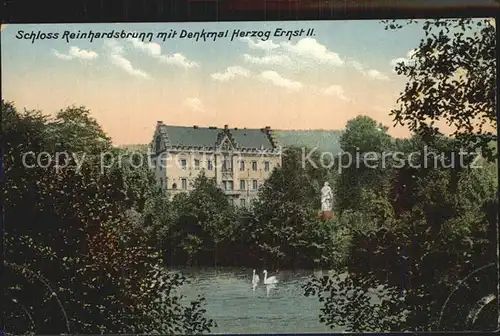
[243, 202]
[183, 164]
[254, 184]
[242, 185]
[196, 164]
[210, 165]
[158, 143]
[254, 165]
[174, 186]
[266, 166]
[184, 183]
[242, 165]
[227, 164]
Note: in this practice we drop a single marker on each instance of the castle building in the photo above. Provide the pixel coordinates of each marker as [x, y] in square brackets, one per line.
[239, 160]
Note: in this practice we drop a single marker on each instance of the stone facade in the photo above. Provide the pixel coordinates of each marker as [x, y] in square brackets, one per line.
[239, 160]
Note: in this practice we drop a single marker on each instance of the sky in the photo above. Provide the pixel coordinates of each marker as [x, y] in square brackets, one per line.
[344, 69]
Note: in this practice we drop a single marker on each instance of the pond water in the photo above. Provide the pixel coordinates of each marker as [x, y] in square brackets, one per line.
[238, 308]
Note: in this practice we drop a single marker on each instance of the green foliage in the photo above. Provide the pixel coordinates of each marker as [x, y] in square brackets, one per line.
[282, 228]
[75, 130]
[452, 78]
[358, 305]
[203, 219]
[74, 263]
[363, 135]
[362, 164]
[443, 230]
[430, 231]
[407, 232]
[426, 227]
[285, 222]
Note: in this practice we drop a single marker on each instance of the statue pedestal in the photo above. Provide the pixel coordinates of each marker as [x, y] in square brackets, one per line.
[325, 215]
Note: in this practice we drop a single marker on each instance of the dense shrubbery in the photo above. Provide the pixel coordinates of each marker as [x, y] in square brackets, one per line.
[428, 233]
[413, 246]
[281, 230]
[75, 262]
[91, 242]
[98, 240]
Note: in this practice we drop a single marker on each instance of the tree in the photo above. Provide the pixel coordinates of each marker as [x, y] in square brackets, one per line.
[362, 163]
[69, 256]
[357, 304]
[285, 225]
[205, 219]
[425, 230]
[429, 240]
[75, 130]
[452, 78]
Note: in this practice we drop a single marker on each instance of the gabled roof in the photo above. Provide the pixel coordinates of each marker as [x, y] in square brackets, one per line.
[207, 136]
[251, 138]
[190, 136]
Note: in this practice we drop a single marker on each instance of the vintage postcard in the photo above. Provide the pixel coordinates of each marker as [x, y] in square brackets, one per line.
[250, 177]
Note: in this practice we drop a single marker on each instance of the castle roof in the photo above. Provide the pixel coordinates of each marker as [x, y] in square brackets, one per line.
[195, 136]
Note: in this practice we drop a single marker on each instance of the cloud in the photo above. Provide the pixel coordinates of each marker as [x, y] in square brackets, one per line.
[305, 52]
[114, 47]
[372, 73]
[61, 55]
[358, 66]
[310, 48]
[154, 50]
[117, 58]
[405, 60]
[75, 52]
[230, 73]
[260, 45]
[178, 60]
[410, 53]
[82, 54]
[280, 60]
[276, 79]
[194, 104]
[126, 65]
[398, 60]
[334, 90]
[375, 74]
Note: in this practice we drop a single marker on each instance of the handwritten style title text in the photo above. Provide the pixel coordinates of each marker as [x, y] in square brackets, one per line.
[196, 36]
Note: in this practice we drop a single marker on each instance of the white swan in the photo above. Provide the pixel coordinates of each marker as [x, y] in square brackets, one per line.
[270, 280]
[255, 279]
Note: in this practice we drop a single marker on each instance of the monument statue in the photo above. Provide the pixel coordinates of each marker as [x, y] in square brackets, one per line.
[326, 198]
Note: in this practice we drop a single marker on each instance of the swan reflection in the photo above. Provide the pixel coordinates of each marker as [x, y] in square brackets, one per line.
[269, 288]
